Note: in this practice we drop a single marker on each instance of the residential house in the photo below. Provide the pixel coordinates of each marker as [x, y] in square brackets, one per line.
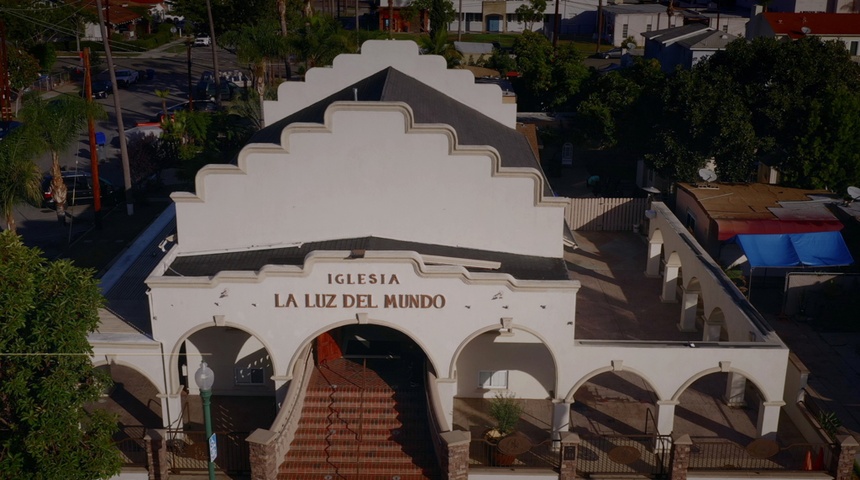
[840, 27]
[622, 20]
[684, 46]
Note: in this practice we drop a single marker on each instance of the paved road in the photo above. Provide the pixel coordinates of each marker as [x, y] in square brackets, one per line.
[39, 226]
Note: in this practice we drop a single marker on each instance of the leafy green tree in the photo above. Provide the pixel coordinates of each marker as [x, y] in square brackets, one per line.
[548, 78]
[531, 12]
[442, 13]
[785, 103]
[20, 177]
[23, 71]
[30, 22]
[47, 376]
[56, 124]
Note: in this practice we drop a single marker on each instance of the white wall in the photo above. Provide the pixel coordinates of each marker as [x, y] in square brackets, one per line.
[366, 173]
[531, 369]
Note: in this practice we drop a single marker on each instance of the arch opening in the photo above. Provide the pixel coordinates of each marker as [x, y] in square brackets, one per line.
[133, 398]
[720, 404]
[614, 403]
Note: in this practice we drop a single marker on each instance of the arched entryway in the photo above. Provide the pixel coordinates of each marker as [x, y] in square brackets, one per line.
[365, 408]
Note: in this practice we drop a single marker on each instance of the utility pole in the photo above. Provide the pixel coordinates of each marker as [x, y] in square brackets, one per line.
[460, 23]
[214, 55]
[390, 19]
[357, 29]
[188, 45]
[123, 144]
[5, 80]
[600, 24]
[94, 154]
[107, 17]
[556, 28]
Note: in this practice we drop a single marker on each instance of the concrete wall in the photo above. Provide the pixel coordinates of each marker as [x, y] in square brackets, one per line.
[530, 366]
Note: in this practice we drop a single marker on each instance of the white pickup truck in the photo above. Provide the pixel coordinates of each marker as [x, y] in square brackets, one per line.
[126, 77]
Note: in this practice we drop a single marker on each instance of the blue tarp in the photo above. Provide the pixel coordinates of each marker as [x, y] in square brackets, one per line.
[815, 249]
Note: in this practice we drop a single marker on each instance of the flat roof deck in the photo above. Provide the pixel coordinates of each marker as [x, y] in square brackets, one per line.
[617, 301]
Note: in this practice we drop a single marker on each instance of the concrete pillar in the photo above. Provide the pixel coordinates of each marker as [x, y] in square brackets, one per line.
[736, 385]
[560, 420]
[156, 454]
[567, 455]
[680, 460]
[711, 332]
[171, 409]
[843, 461]
[666, 416]
[455, 457]
[768, 419]
[447, 388]
[689, 306]
[652, 268]
[262, 450]
[670, 283]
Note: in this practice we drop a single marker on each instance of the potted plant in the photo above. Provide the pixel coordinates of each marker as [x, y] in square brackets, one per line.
[505, 411]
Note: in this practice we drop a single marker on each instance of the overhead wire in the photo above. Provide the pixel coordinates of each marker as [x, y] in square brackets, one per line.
[68, 31]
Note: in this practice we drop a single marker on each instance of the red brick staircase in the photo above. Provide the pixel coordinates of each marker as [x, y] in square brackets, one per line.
[362, 422]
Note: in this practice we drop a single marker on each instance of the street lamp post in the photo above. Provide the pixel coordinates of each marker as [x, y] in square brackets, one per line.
[205, 377]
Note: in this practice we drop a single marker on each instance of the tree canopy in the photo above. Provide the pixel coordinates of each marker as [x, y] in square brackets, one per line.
[47, 376]
[791, 105]
[548, 78]
[531, 12]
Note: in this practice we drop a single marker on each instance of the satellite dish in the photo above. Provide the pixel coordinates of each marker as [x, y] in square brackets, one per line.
[651, 190]
[707, 174]
[854, 193]
[631, 46]
[806, 30]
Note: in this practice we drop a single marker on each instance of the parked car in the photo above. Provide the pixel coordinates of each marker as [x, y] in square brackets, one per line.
[613, 53]
[80, 189]
[205, 90]
[101, 89]
[126, 77]
[202, 41]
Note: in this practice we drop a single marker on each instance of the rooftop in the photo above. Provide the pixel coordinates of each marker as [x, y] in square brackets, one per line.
[749, 201]
[798, 25]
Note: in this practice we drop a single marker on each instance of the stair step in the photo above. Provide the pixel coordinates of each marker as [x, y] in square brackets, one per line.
[356, 476]
[350, 467]
[376, 435]
[341, 444]
[370, 457]
[355, 411]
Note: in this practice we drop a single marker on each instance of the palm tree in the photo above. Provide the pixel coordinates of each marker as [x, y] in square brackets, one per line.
[438, 44]
[20, 178]
[163, 94]
[319, 40]
[257, 45]
[56, 125]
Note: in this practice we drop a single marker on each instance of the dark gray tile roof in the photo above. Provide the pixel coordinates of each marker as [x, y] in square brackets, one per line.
[429, 106]
[519, 266]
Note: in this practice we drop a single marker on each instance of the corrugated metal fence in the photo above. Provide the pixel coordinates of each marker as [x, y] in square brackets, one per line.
[606, 214]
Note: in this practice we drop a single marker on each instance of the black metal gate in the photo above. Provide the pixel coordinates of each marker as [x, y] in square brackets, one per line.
[624, 454]
[189, 452]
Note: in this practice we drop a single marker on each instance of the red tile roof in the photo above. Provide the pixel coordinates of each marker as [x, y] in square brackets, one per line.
[792, 24]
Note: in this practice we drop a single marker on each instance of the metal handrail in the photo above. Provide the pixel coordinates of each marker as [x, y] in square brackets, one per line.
[713, 454]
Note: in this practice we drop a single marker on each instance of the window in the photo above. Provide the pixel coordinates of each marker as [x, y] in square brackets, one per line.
[691, 222]
[648, 27]
[473, 17]
[854, 47]
[250, 376]
[493, 379]
[624, 30]
[726, 28]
